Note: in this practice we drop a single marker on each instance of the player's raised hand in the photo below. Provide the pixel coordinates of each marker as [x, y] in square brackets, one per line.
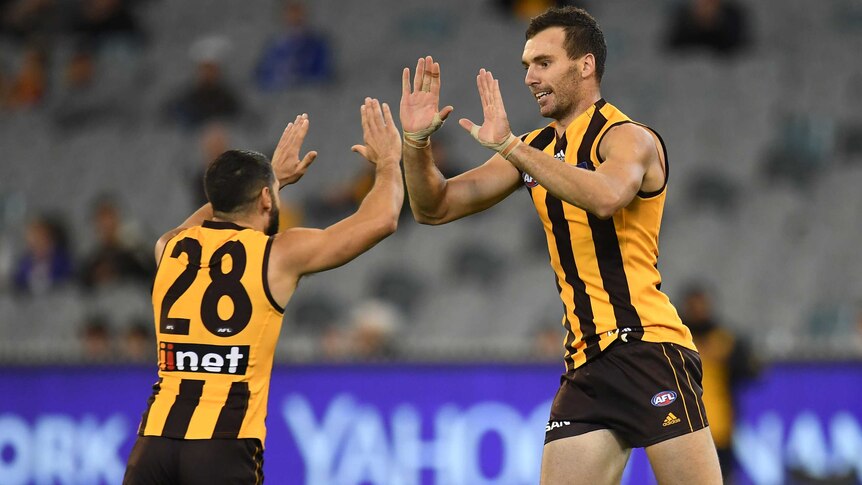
[285, 161]
[382, 140]
[494, 132]
[419, 105]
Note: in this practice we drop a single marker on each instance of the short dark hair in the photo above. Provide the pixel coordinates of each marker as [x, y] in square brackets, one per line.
[235, 178]
[583, 34]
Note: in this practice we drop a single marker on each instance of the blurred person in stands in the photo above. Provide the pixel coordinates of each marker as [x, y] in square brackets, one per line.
[101, 24]
[209, 97]
[213, 140]
[224, 278]
[47, 260]
[598, 181]
[298, 55]
[727, 362]
[83, 100]
[27, 87]
[527, 9]
[138, 342]
[28, 21]
[117, 255]
[372, 331]
[96, 339]
[719, 26]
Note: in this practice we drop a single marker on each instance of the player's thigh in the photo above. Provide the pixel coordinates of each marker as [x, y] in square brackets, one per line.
[222, 462]
[686, 459]
[152, 462]
[595, 458]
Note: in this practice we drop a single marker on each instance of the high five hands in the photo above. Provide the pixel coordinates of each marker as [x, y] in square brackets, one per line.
[494, 132]
[419, 108]
[420, 116]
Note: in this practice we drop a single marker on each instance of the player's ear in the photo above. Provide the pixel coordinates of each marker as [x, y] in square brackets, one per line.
[588, 65]
[265, 199]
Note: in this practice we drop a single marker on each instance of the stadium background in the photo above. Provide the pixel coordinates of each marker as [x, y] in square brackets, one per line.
[762, 212]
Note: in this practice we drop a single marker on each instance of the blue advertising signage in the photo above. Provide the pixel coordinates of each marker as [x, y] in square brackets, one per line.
[407, 424]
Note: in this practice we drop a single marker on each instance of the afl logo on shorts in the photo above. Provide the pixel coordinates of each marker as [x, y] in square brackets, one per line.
[529, 181]
[663, 398]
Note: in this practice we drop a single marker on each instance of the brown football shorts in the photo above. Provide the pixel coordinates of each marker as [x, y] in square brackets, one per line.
[646, 392]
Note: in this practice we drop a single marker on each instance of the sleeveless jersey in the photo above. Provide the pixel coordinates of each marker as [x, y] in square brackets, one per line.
[216, 329]
[606, 270]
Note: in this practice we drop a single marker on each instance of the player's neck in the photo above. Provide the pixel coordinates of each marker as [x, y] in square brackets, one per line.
[582, 106]
[241, 220]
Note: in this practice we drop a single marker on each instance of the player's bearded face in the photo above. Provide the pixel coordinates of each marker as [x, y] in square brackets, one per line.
[272, 225]
[563, 87]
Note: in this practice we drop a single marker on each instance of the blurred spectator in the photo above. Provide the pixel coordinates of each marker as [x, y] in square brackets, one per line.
[369, 334]
[138, 342]
[29, 20]
[715, 25]
[116, 256]
[96, 339]
[82, 100]
[727, 362]
[26, 87]
[209, 97]
[372, 331]
[298, 55]
[527, 9]
[104, 23]
[214, 139]
[46, 262]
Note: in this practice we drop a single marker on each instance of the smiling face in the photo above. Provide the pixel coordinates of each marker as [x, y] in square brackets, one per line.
[555, 80]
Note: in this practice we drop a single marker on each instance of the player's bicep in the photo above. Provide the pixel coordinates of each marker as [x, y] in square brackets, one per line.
[627, 150]
[480, 188]
[304, 250]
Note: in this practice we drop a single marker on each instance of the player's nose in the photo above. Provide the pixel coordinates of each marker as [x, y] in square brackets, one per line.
[530, 78]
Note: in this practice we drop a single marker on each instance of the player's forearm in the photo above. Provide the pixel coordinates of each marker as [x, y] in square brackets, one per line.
[382, 205]
[588, 190]
[426, 186]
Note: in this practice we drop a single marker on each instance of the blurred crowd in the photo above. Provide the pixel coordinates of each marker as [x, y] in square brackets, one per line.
[80, 63]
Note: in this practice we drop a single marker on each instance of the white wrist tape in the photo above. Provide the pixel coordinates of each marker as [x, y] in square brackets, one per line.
[504, 148]
[422, 138]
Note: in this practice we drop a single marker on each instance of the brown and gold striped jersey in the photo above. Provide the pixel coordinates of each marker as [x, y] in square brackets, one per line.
[606, 270]
[216, 325]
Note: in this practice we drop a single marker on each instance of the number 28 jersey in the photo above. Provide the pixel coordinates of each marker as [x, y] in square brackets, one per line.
[216, 329]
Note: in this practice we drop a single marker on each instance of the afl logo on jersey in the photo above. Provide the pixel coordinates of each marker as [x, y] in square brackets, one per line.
[663, 398]
[529, 181]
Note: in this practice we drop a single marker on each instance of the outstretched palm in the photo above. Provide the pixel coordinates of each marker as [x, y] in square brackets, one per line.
[420, 105]
[285, 161]
[495, 129]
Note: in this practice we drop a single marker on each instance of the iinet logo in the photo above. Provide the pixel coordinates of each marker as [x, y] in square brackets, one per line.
[214, 359]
